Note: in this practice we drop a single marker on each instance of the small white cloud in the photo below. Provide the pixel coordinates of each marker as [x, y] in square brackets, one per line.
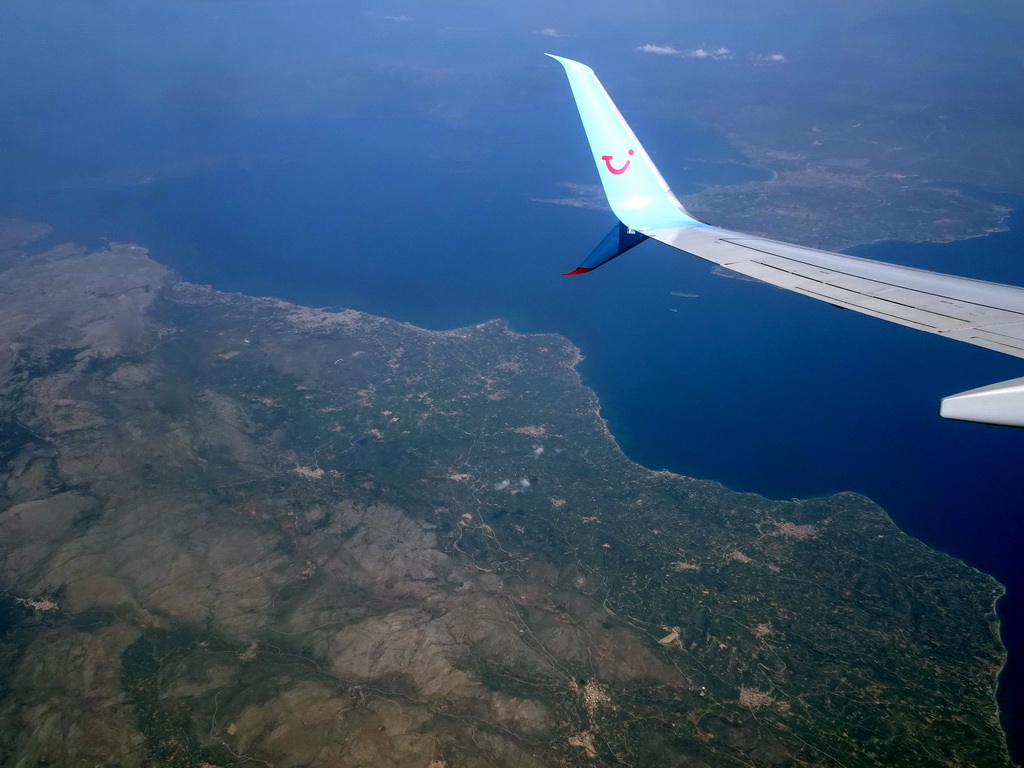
[702, 52]
[716, 54]
[551, 32]
[538, 450]
[399, 18]
[659, 50]
[502, 485]
[524, 483]
[768, 58]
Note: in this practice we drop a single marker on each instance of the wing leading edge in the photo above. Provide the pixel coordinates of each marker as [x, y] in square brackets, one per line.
[985, 314]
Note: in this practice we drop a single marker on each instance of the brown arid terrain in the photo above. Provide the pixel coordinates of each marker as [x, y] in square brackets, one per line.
[237, 531]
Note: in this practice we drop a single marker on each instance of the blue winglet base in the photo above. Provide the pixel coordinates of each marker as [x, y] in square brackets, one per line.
[615, 243]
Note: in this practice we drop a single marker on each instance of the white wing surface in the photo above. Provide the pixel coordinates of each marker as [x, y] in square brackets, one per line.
[986, 314]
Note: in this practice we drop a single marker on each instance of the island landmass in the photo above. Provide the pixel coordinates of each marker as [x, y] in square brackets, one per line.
[239, 531]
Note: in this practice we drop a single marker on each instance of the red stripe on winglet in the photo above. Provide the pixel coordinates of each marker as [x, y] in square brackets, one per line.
[577, 271]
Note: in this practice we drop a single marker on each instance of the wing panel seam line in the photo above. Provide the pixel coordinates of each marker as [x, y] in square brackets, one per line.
[873, 280]
[966, 325]
[871, 311]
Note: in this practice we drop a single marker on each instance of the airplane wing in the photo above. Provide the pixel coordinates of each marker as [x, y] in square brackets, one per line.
[986, 314]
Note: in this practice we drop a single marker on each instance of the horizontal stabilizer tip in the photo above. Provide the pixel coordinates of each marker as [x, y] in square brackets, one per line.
[1001, 404]
[577, 271]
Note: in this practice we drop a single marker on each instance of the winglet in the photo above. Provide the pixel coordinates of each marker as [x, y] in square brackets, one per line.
[636, 191]
[615, 243]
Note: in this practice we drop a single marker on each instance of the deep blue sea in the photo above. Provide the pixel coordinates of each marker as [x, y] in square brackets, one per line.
[423, 221]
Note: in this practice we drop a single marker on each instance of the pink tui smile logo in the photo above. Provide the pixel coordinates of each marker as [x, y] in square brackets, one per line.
[608, 162]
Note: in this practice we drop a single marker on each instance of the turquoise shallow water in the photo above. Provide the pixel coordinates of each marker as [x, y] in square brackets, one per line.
[735, 381]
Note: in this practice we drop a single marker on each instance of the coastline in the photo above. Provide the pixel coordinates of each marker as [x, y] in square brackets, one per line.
[616, 437]
[576, 357]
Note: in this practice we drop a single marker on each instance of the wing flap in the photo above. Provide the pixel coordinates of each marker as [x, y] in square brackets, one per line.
[999, 342]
